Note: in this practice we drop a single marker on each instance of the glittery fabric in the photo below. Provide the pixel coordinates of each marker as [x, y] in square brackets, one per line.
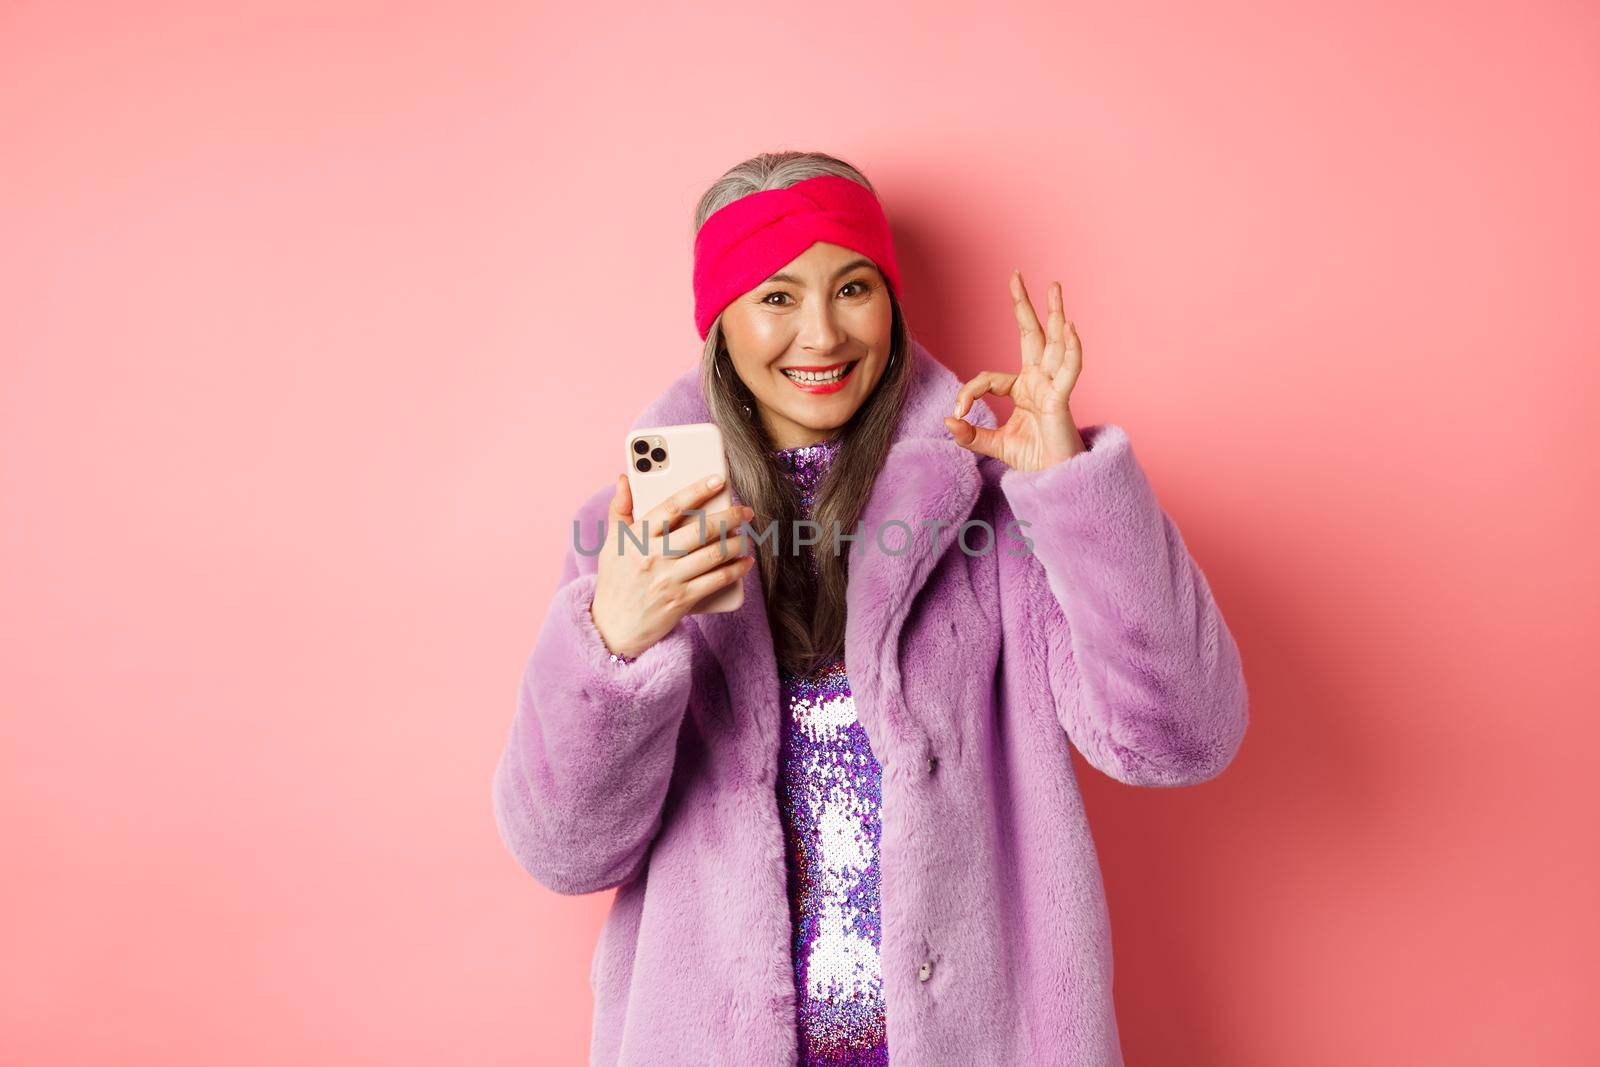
[829, 794]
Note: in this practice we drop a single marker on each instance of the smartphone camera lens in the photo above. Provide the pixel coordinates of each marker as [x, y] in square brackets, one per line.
[658, 454]
[642, 465]
[641, 446]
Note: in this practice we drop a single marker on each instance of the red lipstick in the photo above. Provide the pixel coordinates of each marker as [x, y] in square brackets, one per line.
[823, 387]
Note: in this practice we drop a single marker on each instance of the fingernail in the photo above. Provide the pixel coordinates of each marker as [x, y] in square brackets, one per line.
[713, 481]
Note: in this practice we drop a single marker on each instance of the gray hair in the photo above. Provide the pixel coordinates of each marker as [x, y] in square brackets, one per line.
[806, 610]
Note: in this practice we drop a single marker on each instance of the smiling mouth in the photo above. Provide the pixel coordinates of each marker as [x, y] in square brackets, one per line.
[832, 375]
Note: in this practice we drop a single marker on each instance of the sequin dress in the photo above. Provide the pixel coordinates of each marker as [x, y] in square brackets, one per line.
[829, 796]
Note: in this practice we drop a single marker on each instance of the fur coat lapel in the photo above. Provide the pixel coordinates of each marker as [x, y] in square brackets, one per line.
[926, 477]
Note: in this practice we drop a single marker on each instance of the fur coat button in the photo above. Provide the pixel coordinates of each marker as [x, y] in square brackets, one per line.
[925, 971]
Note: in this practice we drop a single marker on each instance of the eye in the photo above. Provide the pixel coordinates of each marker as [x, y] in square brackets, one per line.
[861, 285]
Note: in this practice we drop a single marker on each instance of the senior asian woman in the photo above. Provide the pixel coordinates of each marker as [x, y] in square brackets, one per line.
[842, 822]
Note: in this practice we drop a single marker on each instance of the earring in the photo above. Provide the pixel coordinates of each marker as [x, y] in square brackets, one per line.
[716, 368]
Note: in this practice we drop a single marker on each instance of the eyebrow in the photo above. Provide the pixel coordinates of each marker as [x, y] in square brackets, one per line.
[846, 269]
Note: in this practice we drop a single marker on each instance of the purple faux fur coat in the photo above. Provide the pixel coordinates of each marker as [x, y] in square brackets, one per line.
[970, 675]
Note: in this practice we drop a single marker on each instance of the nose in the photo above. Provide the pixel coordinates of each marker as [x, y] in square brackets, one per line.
[819, 332]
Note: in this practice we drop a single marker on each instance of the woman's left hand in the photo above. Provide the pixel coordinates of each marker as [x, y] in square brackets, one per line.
[1040, 431]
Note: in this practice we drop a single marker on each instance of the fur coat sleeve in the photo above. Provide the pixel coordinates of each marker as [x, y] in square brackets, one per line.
[579, 788]
[1120, 632]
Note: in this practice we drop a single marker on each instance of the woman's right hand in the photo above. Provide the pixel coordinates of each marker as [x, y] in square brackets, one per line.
[640, 595]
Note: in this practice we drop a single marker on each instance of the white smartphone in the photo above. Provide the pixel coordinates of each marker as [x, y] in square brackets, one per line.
[664, 459]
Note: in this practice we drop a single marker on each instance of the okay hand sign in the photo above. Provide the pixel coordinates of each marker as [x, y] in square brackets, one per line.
[1040, 431]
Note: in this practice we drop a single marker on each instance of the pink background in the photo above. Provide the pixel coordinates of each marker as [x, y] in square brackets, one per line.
[318, 321]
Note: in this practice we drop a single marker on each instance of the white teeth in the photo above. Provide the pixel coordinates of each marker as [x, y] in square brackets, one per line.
[816, 377]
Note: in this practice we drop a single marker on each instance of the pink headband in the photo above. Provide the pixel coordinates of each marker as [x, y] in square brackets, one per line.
[744, 243]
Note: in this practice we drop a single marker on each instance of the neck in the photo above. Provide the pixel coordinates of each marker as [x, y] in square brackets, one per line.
[786, 434]
[822, 440]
